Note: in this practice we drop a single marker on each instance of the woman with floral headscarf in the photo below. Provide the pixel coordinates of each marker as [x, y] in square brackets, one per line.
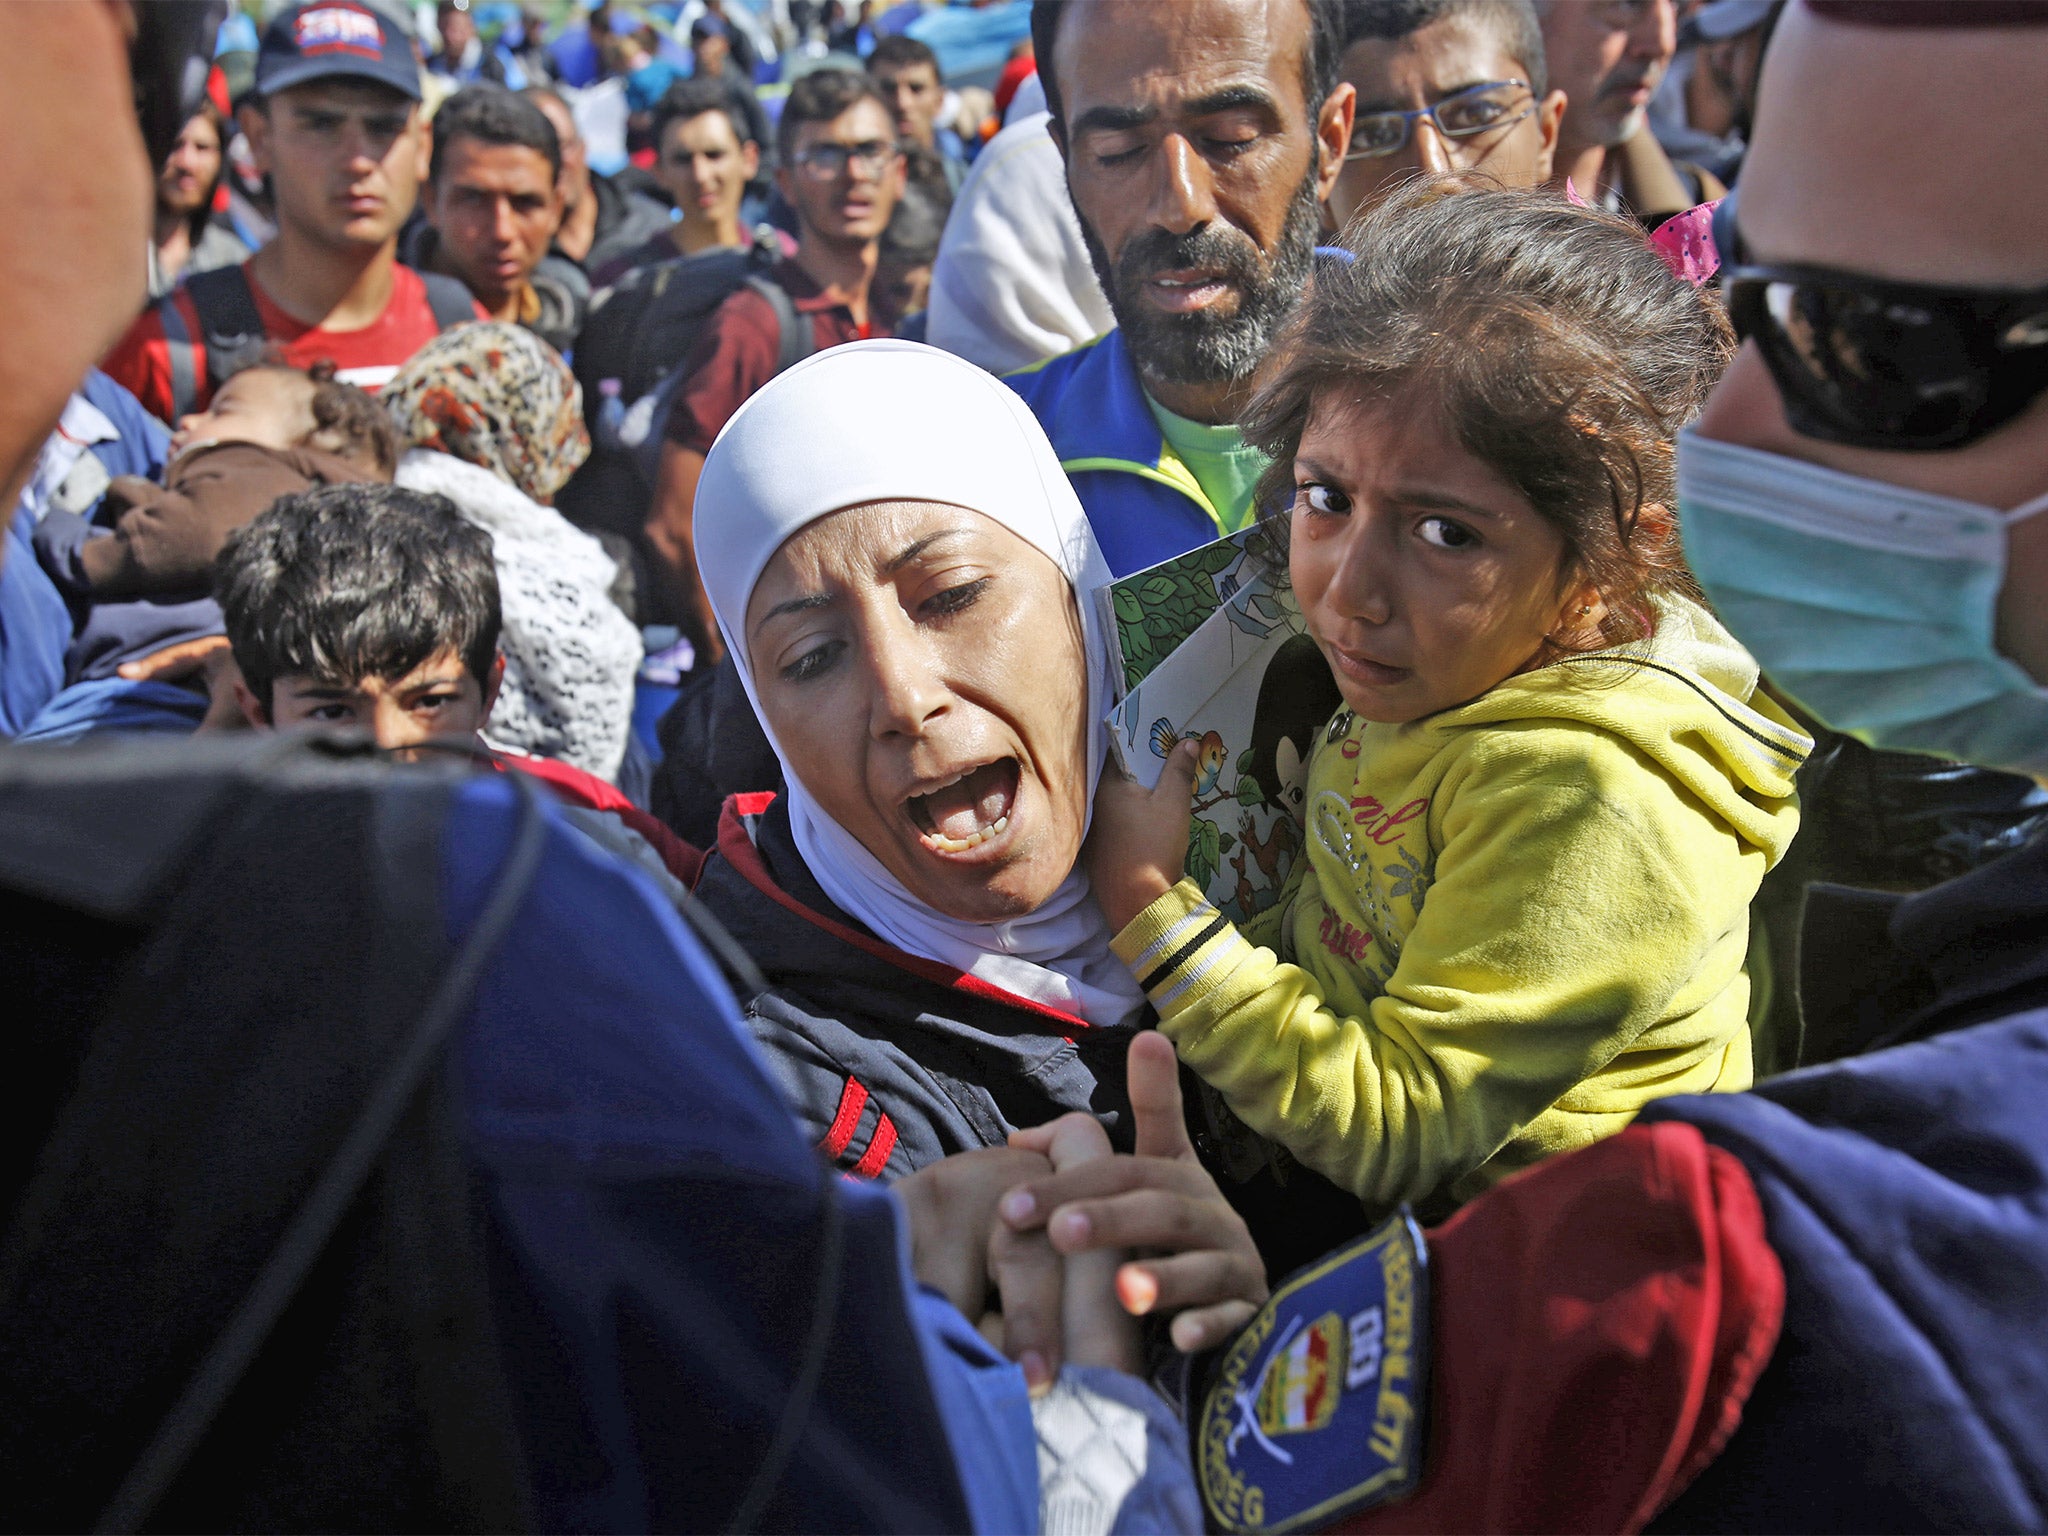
[493, 420]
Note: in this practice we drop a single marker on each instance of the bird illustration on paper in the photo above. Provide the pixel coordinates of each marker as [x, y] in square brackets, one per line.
[1209, 752]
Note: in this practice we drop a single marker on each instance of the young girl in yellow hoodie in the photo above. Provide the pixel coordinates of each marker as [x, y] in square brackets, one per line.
[1534, 828]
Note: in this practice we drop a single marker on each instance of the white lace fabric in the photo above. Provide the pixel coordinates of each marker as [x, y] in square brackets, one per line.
[1112, 1458]
[570, 654]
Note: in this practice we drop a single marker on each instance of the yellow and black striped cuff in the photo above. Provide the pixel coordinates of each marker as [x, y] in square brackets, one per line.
[1180, 947]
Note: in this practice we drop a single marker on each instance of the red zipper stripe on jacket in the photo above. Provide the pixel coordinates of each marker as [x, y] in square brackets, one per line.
[853, 1098]
[876, 1157]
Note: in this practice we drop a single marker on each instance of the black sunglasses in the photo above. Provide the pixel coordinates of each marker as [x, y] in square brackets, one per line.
[1876, 364]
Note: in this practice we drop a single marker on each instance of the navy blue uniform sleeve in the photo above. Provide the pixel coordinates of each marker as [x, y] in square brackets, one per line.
[658, 1235]
[1906, 1194]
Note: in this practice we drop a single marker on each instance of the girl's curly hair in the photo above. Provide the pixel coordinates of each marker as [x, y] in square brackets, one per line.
[1551, 341]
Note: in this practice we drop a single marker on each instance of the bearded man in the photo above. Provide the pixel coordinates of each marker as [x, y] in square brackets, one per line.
[1201, 138]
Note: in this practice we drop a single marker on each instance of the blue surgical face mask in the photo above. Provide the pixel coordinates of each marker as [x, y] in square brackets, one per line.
[1871, 605]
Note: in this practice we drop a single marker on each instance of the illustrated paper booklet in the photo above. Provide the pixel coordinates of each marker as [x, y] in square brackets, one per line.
[1148, 613]
[1214, 650]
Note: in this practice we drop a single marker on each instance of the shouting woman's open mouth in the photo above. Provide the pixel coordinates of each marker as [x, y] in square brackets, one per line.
[967, 810]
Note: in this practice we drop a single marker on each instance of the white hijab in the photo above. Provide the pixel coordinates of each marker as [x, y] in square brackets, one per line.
[896, 421]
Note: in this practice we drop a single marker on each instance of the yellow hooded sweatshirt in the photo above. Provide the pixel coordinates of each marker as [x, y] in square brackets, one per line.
[1515, 923]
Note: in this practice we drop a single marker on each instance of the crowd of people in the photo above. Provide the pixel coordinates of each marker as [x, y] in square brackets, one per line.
[586, 958]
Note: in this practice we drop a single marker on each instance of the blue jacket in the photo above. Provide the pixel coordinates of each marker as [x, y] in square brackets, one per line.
[36, 624]
[1142, 501]
[647, 1189]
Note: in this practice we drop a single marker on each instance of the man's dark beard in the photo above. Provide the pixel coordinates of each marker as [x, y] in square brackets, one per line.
[1206, 348]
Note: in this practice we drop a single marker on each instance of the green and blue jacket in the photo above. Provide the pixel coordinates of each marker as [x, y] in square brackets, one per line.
[1141, 499]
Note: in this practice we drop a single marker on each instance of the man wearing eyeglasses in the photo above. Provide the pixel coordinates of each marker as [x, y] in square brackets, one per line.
[1608, 57]
[1445, 85]
[842, 173]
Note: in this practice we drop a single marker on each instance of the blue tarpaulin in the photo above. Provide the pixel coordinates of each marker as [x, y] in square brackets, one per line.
[973, 42]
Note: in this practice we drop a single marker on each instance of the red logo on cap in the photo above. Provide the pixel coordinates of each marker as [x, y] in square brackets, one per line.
[339, 29]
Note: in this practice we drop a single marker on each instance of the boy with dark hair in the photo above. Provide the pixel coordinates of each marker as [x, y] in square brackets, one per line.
[842, 173]
[371, 606]
[494, 203]
[376, 607]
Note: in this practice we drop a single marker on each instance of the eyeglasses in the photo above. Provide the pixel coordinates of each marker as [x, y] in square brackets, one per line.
[1871, 363]
[1461, 115]
[825, 161]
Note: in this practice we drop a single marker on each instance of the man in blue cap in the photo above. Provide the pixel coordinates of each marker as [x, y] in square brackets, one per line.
[336, 124]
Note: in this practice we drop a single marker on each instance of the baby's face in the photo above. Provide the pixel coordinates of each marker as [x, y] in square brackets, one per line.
[266, 406]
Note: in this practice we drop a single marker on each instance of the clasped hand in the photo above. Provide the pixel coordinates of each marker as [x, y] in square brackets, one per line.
[1074, 1243]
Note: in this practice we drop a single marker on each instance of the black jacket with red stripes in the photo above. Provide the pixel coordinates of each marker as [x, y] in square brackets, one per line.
[893, 1061]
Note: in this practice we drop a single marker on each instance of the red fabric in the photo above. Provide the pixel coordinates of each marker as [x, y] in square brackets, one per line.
[141, 360]
[577, 787]
[876, 1158]
[738, 349]
[1014, 74]
[737, 849]
[853, 1098]
[1596, 1325]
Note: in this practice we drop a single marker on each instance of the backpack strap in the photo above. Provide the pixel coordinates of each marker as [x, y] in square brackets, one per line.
[230, 329]
[448, 299]
[178, 343]
[798, 341]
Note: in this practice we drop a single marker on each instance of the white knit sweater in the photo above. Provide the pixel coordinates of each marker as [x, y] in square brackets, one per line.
[570, 654]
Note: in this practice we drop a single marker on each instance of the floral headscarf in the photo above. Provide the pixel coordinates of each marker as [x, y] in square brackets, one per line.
[496, 396]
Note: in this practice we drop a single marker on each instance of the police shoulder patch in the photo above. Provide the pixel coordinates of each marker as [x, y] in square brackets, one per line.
[1316, 1410]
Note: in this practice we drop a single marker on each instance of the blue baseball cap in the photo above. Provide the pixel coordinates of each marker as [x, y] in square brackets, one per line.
[335, 40]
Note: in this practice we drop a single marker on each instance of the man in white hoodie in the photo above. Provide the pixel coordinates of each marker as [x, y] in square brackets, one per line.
[1013, 285]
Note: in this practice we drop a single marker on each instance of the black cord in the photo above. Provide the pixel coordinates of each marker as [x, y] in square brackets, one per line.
[804, 1388]
[727, 950]
[312, 1225]
[737, 962]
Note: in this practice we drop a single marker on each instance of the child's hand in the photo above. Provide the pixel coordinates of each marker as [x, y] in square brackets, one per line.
[1138, 845]
[951, 1205]
[1197, 1262]
[1062, 1307]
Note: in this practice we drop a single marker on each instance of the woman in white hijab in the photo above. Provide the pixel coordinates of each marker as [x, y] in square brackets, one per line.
[902, 575]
